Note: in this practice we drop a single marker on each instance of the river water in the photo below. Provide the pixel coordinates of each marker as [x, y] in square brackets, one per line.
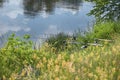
[38, 17]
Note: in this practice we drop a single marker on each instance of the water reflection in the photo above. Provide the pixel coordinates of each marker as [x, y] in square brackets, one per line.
[1, 3]
[33, 7]
[43, 16]
[71, 4]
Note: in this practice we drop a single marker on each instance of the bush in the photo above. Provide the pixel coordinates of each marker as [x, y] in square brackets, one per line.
[104, 30]
[15, 55]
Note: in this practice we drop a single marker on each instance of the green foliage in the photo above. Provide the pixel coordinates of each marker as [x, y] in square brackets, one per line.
[26, 36]
[15, 42]
[94, 63]
[17, 52]
[101, 31]
[106, 9]
[58, 41]
[20, 62]
[105, 30]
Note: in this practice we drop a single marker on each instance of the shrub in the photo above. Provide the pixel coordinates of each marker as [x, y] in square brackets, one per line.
[15, 55]
[104, 30]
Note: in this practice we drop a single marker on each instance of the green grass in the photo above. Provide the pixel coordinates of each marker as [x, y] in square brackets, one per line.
[19, 61]
[104, 30]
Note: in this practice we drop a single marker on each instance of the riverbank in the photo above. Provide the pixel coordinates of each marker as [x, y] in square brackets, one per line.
[20, 61]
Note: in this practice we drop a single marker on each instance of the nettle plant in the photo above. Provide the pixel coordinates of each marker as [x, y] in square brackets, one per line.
[15, 55]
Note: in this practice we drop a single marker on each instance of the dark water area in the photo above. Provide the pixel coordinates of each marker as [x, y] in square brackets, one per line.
[38, 17]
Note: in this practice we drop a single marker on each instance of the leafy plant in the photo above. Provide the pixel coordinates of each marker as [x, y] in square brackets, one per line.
[17, 52]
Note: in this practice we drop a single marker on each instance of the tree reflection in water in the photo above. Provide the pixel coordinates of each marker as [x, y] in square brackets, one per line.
[1, 3]
[33, 7]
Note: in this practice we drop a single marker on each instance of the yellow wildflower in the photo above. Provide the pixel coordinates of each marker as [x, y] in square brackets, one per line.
[72, 56]
[63, 63]
[23, 72]
[76, 78]
[57, 68]
[113, 70]
[44, 59]
[59, 57]
[57, 78]
[90, 75]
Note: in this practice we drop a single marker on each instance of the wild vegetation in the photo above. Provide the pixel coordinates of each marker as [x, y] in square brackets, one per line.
[19, 61]
[62, 58]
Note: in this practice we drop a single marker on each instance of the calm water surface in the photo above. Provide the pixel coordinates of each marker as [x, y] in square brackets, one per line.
[38, 17]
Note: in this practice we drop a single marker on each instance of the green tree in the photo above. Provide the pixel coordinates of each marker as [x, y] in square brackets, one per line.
[106, 9]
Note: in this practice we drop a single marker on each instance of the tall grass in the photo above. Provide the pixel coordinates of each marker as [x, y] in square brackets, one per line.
[104, 30]
[19, 61]
[94, 63]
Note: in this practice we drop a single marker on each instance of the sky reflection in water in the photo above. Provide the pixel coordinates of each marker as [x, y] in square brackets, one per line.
[39, 17]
